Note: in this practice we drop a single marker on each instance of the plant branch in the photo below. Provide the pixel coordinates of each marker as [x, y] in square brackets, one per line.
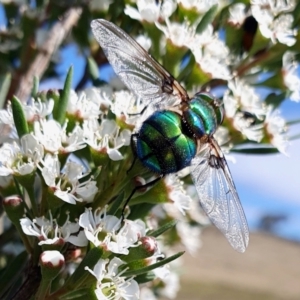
[22, 80]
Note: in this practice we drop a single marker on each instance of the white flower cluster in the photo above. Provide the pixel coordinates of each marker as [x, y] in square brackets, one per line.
[49, 140]
[49, 155]
[103, 231]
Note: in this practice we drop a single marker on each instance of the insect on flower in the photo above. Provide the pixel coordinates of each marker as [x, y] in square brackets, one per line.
[177, 131]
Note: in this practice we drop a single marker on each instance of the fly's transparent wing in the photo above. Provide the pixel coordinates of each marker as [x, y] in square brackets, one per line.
[144, 76]
[218, 195]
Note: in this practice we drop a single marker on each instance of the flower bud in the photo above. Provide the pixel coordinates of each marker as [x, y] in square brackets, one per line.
[100, 158]
[51, 263]
[14, 207]
[147, 248]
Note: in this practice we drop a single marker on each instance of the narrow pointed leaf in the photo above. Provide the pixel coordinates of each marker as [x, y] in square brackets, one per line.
[256, 150]
[116, 205]
[89, 260]
[12, 272]
[275, 99]
[59, 111]
[293, 122]
[151, 267]
[19, 117]
[207, 18]
[145, 277]
[4, 87]
[162, 229]
[93, 68]
[86, 293]
[294, 137]
[35, 87]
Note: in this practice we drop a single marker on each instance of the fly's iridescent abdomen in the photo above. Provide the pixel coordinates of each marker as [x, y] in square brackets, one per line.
[161, 144]
[167, 142]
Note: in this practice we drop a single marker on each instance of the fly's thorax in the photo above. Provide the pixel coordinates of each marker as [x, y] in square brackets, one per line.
[203, 114]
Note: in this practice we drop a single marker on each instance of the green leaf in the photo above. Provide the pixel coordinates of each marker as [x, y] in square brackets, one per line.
[140, 211]
[19, 117]
[259, 43]
[90, 259]
[296, 14]
[60, 107]
[162, 229]
[275, 99]
[116, 205]
[187, 69]
[151, 267]
[207, 18]
[81, 294]
[293, 122]
[93, 68]
[256, 150]
[4, 87]
[150, 276]
[12, 272]
[35, 87]
[294, 137]
[275, 82]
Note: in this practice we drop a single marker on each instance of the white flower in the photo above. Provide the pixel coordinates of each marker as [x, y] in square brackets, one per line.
[171, 286]
[150, 10]
[96, 5]
[241, 102]
[181, 35]
[144, 41]
[87, 104]
[237, 14]
[127, 236]
[246, 127]
[98, 225]
[67, 186]
[37, 109]
[211, 54]
[20, 160]
[273, 23]
[49, 233]
[180, 201]
[110, 283]
[200, 6]
[147, 294]
[127, 106]
[106, 231]
[8, 130]
[241, 96]
[276, 130]
[222, 136]
[189, 236]
[55, 138]
[106, 137]
[291, 78]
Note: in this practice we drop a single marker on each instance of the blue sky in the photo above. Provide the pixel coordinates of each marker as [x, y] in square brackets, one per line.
[268, 184]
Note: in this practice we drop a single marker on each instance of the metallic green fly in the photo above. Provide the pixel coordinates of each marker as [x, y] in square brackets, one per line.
[178, 132]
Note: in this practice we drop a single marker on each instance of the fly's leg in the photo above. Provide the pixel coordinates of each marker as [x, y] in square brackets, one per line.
[134, 135]
[139, 113]
[146, 185]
